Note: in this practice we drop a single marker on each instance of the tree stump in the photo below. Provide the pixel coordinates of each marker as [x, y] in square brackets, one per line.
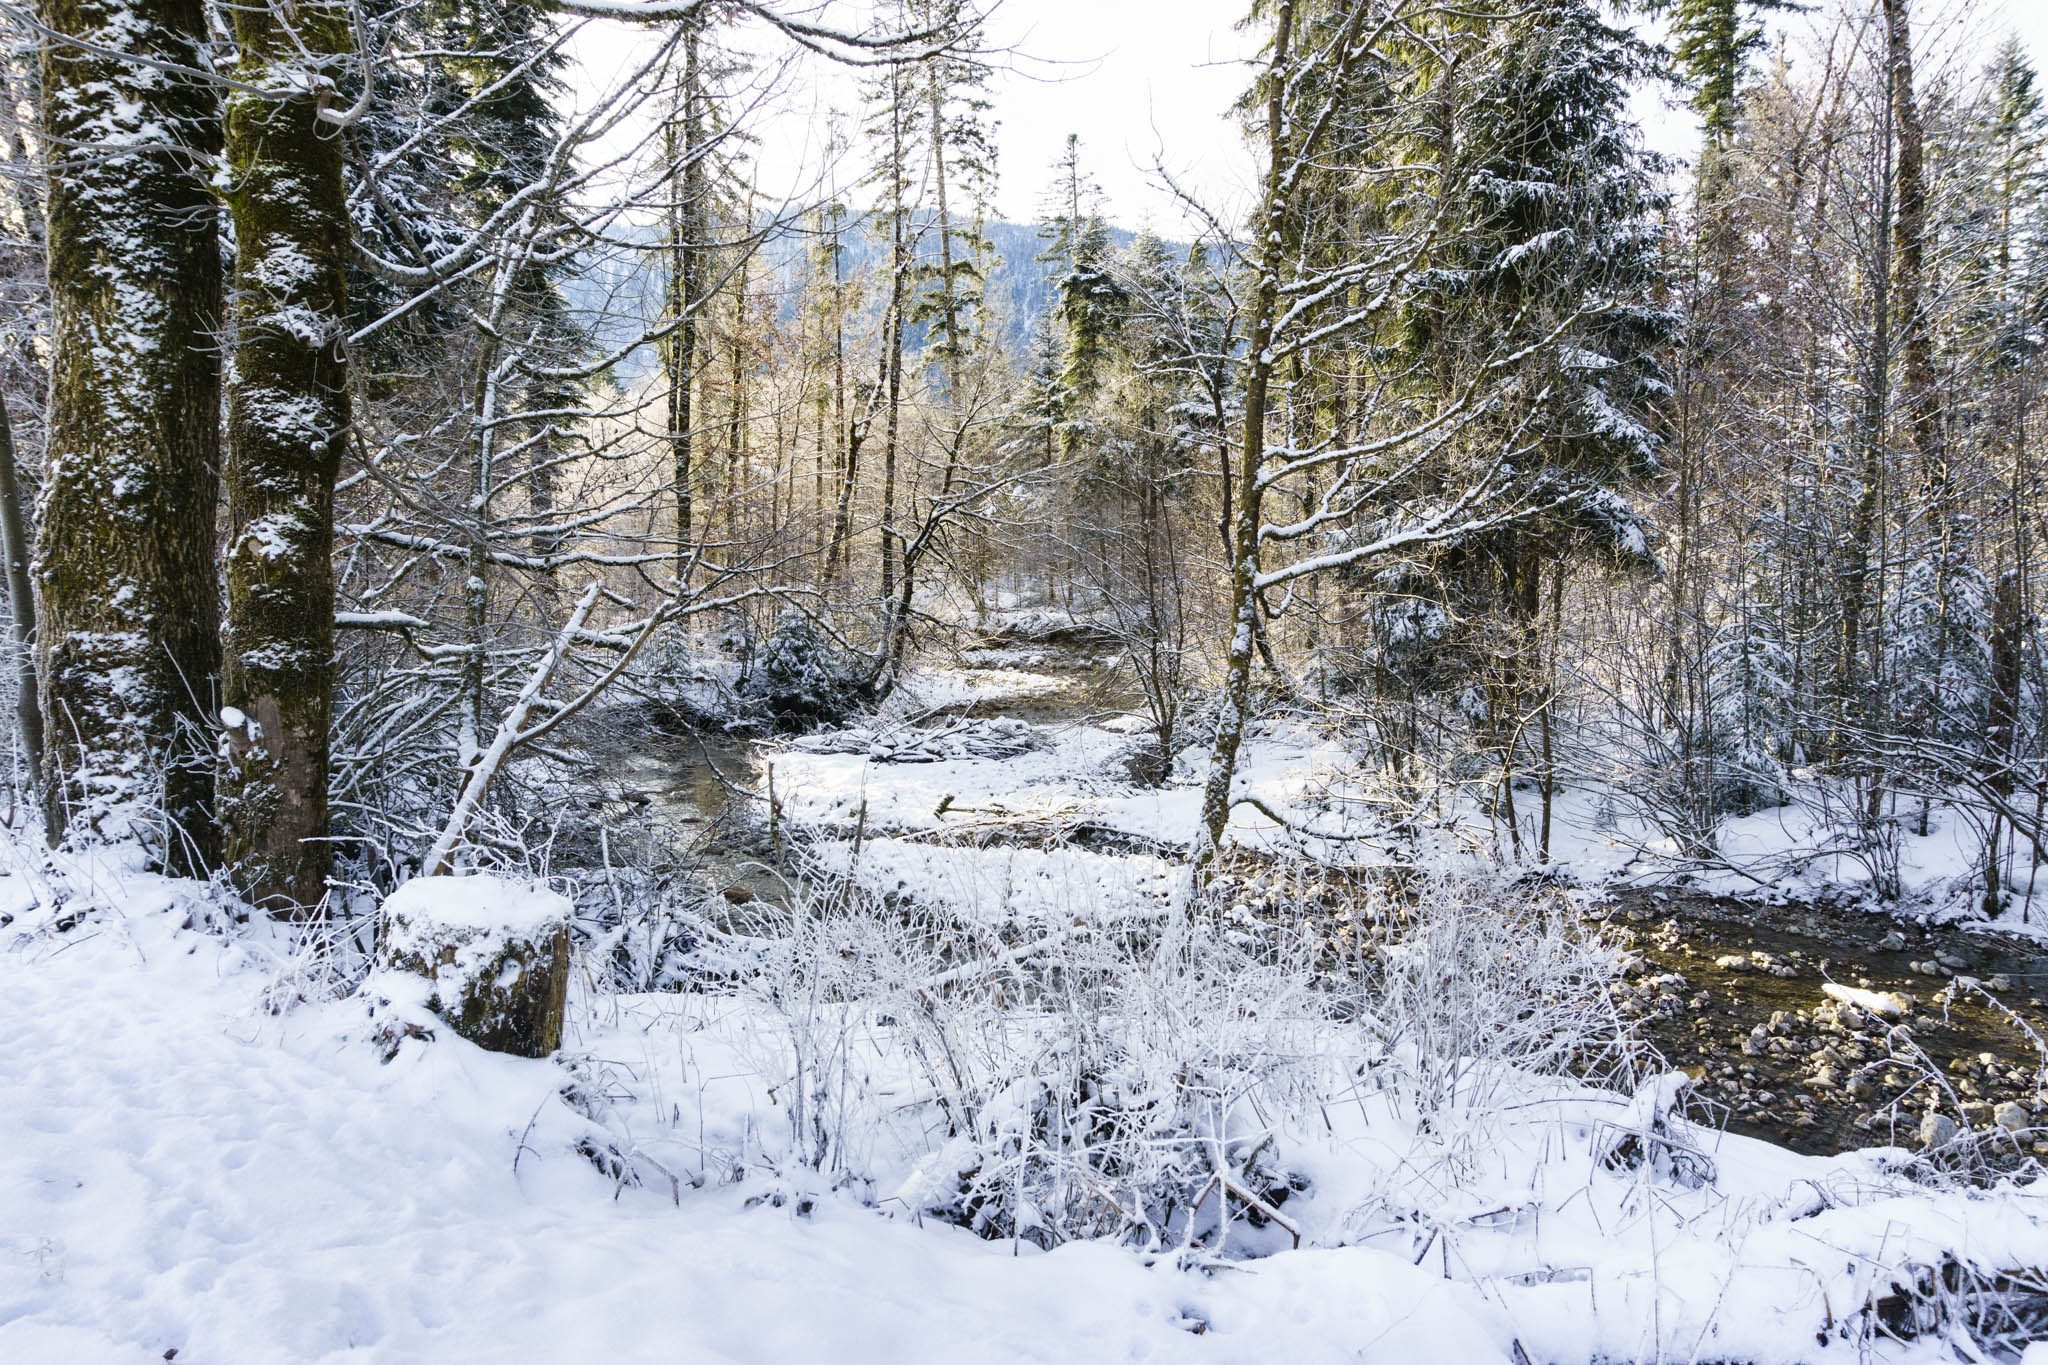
[494, 954]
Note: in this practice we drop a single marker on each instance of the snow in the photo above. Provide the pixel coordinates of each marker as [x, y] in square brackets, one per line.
[181, 1171]
[201, 1151]
[1883, 1004]
[496, 906]
[1005, 884]
[202, 1147]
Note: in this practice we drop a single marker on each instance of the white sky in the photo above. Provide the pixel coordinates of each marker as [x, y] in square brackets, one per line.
[1154, 80]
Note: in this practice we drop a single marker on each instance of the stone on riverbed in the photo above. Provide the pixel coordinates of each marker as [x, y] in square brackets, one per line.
[489, 955]
[1883, 1004]
[1937, 1131]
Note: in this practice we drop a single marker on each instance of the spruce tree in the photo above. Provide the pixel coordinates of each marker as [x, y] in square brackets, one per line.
[1712, 42]
[1088, 301]
[1558, 255]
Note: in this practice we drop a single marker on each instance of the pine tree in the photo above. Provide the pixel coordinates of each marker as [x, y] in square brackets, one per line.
[1750, 700]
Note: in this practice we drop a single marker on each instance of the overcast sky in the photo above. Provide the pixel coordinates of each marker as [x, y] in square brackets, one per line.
[1145, 81]
[1141, 80]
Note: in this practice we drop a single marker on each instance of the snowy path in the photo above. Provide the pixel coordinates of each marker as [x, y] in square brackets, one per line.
[180, 1171]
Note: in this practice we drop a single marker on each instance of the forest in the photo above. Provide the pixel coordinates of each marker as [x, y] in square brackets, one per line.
[642, 730]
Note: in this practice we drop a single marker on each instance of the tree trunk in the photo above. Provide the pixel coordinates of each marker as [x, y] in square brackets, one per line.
[1235, 710]
[1909, 231]
[129, 614]
[21, 604]
[685, 244]
[288, 418]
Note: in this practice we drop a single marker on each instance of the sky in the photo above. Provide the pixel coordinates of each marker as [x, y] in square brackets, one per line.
[1150, 83]
[1146, 80]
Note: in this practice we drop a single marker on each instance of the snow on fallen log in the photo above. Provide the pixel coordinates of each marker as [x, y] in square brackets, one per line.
[995, 738]
[489, 955]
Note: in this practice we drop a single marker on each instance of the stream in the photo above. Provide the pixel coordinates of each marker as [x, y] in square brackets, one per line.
[1730, 990]
[1735, 992]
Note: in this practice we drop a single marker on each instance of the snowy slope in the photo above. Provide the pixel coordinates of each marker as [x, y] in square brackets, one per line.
[181, 1170]
[201, 1154]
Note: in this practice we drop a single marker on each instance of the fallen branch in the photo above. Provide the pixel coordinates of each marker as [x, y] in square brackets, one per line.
[510, 735]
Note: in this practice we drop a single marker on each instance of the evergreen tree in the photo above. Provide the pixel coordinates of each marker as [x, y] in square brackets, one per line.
[962, 157]
[1713, 41]
[1088, 301]
[1938, 654]
[1557, 254]
[1750, 691]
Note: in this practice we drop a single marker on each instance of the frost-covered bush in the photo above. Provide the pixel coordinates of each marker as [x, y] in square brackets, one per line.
[1479, 984]
[803, 677]
[1147, 1100]
[1127, 1078]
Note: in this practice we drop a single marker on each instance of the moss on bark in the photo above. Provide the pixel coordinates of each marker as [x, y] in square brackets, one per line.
[288, 417]
[128, 608]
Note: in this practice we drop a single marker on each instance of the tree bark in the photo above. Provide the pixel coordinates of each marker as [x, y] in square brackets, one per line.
[288, 417]
[685, 286]
[1234, 712]
[1909, 231]
[129, 611]
[21, 604]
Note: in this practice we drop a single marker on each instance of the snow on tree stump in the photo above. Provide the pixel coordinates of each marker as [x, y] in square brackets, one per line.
[493, 953]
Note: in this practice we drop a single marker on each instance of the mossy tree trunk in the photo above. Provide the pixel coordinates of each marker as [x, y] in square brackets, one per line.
[288, 416]
[129, 618]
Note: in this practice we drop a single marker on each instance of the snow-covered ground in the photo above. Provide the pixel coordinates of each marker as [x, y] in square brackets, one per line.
[182, 1170]
[205, 1151]
[1341, 812]
[193, 1158]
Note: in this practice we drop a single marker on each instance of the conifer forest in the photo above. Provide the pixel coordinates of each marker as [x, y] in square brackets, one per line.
[786, 681]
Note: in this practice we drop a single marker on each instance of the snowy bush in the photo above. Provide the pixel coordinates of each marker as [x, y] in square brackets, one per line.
[1147, 1099]
[804, 677]
[1481, 985]
[1126, 1078]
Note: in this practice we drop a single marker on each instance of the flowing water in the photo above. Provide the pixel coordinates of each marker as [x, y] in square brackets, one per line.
[1731, 990]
